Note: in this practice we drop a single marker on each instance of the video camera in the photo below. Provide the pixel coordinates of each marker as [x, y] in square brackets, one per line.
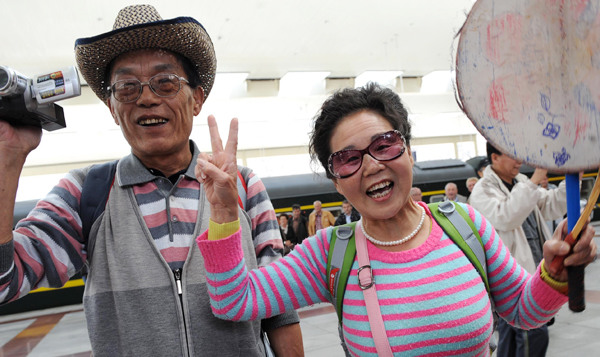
[25, 101]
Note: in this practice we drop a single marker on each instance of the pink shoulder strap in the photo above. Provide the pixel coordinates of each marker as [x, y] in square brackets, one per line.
[367, 284]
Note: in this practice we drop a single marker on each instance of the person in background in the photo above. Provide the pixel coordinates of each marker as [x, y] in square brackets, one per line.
[416, 194]
[283, 228]
[451, 191]
[483, 163]
[319, 219]
[470, 183]
[348, 214]
[518, 208]
[298, 227]
[431, 297]
[552, 223]
[145, 292]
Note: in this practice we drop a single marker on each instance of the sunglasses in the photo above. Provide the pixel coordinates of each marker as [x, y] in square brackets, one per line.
[385, 147]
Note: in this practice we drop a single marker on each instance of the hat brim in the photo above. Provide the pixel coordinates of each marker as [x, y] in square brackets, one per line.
[182, 35]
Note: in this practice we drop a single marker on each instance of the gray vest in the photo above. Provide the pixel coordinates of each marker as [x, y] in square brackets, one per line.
[131, 299]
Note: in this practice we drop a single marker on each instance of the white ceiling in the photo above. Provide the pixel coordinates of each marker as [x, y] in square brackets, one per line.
[265, 38]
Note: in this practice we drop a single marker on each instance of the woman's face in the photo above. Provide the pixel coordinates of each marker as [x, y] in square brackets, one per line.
[379, 189]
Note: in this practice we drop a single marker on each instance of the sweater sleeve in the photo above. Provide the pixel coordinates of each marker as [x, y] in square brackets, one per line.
[268, 245]
[523, 300]
[47, 246]
[294, 281]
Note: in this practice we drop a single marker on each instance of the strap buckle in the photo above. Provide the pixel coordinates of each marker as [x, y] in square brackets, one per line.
[446, 207]
[370, 282]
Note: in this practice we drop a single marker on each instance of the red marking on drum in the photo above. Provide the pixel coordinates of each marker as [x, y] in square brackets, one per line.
[504, 31]
[581, 127]
[497, 99]
[578, 7]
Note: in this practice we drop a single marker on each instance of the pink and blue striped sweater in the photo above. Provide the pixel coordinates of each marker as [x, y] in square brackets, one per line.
[432, 299]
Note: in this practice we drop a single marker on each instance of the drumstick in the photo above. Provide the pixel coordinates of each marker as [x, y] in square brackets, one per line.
[576, 273]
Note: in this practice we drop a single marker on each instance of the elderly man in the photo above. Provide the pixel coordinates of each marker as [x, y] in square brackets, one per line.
[145, 293]
[518, 208]
[319, 219]
[416, 194]
[451, 191]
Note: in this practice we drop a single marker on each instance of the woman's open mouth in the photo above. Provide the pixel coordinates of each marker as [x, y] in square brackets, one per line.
[380, 190]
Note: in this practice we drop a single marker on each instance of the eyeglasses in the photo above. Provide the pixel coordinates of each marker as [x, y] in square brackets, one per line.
[385, 147]
[163, 85]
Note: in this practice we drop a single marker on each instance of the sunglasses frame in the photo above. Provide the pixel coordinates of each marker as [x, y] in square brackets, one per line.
[363, 152]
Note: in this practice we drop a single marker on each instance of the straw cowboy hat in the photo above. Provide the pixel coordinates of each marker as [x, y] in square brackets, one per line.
[140, 27]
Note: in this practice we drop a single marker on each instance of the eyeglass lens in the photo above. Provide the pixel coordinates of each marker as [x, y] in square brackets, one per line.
[385, 147]
[163, 85]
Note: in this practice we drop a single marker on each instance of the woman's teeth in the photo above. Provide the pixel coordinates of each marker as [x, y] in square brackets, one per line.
[380, 190]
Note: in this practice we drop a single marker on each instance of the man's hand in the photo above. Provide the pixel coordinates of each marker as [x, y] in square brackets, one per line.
[18, 141]
[584, 251]
[218, 173]
[286, 341]
[539, 175]
[15, 144]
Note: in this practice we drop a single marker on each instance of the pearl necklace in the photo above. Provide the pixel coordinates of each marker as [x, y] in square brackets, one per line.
[399, 241]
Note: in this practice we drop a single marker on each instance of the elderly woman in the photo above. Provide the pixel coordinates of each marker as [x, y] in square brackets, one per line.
[431, 298]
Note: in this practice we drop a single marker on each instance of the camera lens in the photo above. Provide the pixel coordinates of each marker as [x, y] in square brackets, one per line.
[3, 79]
[8, 81]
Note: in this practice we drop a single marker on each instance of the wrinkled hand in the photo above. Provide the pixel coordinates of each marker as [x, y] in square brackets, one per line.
[18, 141]
[584, 251]
[218, 173]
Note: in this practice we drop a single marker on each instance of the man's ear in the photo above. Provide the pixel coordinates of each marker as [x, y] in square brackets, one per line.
[113, 111]
[494, 157]
[198, 99]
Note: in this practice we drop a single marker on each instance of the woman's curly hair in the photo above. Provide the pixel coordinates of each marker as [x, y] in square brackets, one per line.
[372, 97]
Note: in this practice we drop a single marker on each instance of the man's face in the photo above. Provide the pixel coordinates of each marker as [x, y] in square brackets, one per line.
[296, 213]
[317, 207]
[470, 185]
[347, 208]
[451, 192]
[155, 126]
[283, 221]
[416, 195]
[505, 167]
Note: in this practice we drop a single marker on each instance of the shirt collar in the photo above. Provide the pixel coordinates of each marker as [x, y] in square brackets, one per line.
[131, 171]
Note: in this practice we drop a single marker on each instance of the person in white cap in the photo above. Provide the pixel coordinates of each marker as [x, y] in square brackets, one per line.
[145, 293]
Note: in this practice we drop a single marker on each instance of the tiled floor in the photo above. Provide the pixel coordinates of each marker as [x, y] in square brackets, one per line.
[62, 331]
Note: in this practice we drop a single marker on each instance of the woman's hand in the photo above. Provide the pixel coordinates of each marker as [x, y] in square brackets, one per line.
[218, 173]
[584, 251]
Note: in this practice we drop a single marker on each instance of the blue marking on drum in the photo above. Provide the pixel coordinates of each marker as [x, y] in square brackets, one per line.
[552, 130]
[560, 158]
[586, 101]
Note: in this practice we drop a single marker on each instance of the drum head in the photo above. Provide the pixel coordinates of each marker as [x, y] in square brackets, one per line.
[528, 77]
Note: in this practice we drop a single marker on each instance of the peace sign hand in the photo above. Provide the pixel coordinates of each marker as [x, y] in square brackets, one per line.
[218, 173]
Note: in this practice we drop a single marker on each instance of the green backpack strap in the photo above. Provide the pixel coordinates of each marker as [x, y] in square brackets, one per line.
[457, 224]
[342, 250]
